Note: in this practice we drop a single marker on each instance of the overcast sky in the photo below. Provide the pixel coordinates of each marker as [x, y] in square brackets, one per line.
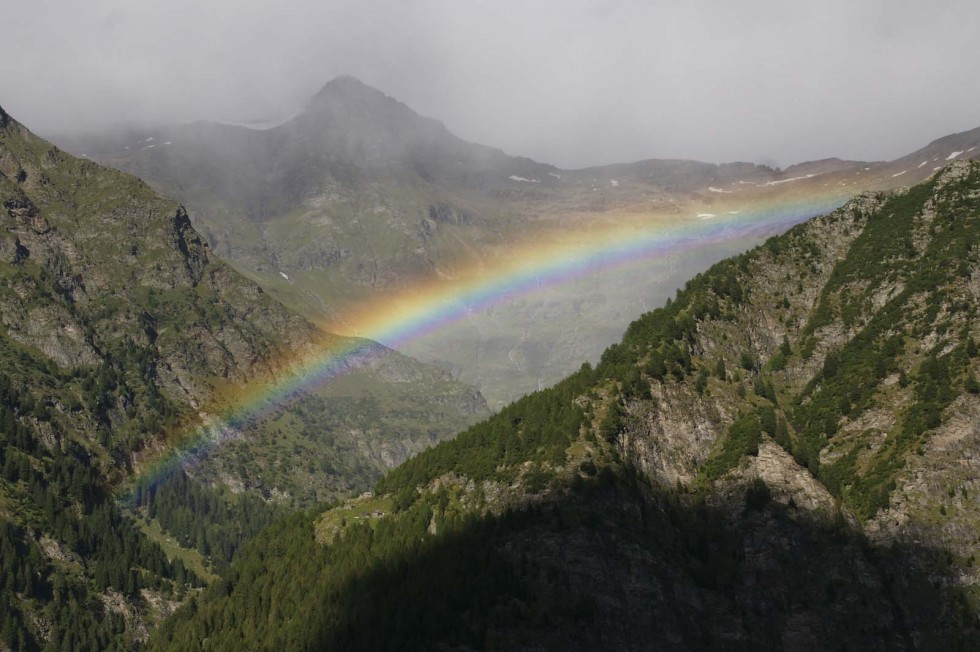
[571, 82]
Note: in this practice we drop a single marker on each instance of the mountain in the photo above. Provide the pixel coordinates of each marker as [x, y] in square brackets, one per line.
[121, 336]
[782, 457]
[358, 200]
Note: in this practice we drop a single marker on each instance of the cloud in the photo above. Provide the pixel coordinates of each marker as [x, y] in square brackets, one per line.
[572, 82]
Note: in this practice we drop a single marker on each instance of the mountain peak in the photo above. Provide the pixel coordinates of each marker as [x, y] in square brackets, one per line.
[348, 104]
[349, 90]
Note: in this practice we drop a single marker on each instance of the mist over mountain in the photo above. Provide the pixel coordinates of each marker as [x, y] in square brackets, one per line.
[803, 390]
[358, 198]
[431, 325]
[576, 83]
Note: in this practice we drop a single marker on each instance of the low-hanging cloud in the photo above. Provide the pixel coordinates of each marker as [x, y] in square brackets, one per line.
[572, 82]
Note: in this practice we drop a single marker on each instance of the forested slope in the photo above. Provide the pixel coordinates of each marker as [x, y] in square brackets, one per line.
[119, 333]
[783, 457]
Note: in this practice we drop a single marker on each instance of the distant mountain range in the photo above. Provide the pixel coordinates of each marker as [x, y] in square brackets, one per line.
[358, 199]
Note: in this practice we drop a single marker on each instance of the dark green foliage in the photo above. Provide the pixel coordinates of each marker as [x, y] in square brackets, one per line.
[214, 522]
[538, 427]
[60, 493]
[743, 438]
[763, 388]
[768, 420]
[701, 382]
[777, 362]
[851, 377]
[881, 249]
[971, 385]
[612, 422]
[747, 361]
[72, 506]
[757, 495]
[830, 365]
[395, 586]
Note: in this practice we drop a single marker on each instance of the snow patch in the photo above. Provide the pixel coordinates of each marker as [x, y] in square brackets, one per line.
[168, 143]
[514, 177]
[954, 155]
[971, 149]
[898, 174]
[613, 183]
[938, 167]
[734, 212]
[150, 139]
[776, 183]
[557, 176]
[282, 274]
[713, 189]
[921, 164]
[706, 216]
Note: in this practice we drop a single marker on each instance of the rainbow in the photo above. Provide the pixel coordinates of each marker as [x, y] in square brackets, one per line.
[420, 310]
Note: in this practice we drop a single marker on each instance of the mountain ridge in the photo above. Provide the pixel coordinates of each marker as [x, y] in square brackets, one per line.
[328, 213]
[121, 335]
[783, 457]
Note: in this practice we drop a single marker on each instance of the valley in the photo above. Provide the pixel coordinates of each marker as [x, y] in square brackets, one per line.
[783, 457]
[779, 452]
[359, 202]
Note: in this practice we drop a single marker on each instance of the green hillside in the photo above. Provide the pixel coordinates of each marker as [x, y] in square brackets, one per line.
[118, 330]
[783, 457]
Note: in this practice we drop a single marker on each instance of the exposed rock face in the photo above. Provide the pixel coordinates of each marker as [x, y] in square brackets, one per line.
[448, 214]
[938, 495]
[788, 483]
[114, 242]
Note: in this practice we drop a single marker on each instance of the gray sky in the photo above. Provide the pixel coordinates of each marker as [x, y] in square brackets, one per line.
[571, 82]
